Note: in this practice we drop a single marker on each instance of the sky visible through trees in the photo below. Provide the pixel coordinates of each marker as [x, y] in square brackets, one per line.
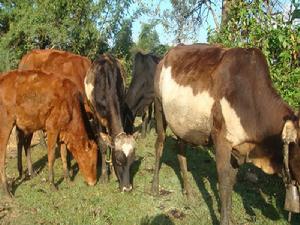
[165, 5]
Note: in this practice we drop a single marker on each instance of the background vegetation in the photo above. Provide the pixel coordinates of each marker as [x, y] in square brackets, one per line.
[90, 27]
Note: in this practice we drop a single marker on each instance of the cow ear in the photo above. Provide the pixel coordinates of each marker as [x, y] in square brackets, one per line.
[289, 132]
[106, 138]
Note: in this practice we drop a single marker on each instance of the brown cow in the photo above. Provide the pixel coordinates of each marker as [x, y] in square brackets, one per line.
[33, 100]
[208, 93]
[68, 65]
[104, 87]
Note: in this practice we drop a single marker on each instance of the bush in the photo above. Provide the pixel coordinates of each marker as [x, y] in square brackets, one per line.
[250, 26]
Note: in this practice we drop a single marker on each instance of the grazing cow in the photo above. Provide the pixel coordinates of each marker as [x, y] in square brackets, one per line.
[140, 94]
[104, 87]
[33, 100]
[67, 65]
[209, 93]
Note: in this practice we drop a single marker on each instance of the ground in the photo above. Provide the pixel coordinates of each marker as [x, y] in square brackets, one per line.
[257, 198]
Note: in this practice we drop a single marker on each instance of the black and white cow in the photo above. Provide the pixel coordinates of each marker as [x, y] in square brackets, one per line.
[104, 87]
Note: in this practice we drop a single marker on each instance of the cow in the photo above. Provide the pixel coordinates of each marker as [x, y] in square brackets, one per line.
[140, 94]
[105, 91]
[67, 65]
[209, 94]
[34, 100]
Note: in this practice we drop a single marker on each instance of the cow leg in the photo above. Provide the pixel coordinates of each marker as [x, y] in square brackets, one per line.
[20, 138]
[226, 176]
[150, 109]
[6, 127]
[42, 139]
[144, 122]
[69, 164]
[183, 167]
[159, 145]
[27, 142]
[104, 175]
[52, 138]
[63, 155]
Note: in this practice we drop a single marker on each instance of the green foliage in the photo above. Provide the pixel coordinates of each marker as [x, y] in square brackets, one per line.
[161, 49]
[84, 26]
[123, 42]
[148, 38]
[250, 25]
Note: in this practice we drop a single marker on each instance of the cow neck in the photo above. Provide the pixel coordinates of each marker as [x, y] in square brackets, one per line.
[114, 117]
[75, 134]
[116, 124]
[276, 112]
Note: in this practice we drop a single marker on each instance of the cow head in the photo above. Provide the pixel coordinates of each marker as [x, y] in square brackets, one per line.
[123, 156]
[291, 153]
[87, 162]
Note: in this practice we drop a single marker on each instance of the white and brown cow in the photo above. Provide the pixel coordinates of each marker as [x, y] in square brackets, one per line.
[207, 93]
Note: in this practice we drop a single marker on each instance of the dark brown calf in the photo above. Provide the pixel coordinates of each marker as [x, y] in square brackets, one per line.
[33, 100]
[140, 94]
[207, 92]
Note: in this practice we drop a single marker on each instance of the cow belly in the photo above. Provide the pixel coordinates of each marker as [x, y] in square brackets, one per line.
[188, 115]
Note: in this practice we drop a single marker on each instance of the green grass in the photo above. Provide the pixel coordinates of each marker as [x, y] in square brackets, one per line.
[76, 203]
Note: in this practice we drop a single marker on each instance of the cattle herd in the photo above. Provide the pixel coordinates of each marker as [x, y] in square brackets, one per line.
[206, 94]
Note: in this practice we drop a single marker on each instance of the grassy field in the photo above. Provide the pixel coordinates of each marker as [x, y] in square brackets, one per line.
[35, 203]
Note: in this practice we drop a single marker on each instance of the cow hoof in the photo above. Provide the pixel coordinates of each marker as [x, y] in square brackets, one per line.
[53, 187]
[188, 195]
[103, 179]
[155, 190]
[32, 174]
[20, 177]
[7, 196]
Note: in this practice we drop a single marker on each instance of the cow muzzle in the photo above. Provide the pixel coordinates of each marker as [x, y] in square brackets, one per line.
[127, 188]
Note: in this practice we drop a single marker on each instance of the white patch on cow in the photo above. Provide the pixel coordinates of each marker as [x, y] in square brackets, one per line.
[235, 131]
[127, 148]
[88, 87]
[188, 115]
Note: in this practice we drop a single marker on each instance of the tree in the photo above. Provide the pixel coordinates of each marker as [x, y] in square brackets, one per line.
[148, 38]
[185, 18]
[84, 26]
[123, 41]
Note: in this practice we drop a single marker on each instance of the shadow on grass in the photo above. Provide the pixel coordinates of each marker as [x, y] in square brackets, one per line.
[157, 220]
[201, 166]
[269, 191]
[38, 166]
[135, 168]
[255, 196]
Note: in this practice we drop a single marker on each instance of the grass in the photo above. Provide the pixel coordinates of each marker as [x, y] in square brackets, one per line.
[75, 203]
